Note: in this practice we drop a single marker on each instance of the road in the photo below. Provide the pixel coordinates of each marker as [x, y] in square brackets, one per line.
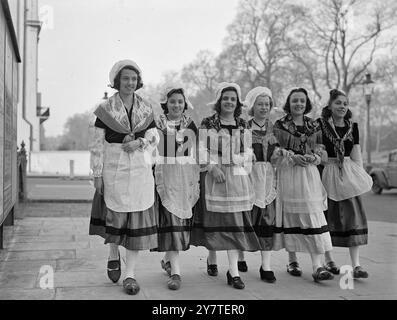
[378, 207]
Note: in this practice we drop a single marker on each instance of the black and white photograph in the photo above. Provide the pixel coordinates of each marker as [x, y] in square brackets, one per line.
[196, 156]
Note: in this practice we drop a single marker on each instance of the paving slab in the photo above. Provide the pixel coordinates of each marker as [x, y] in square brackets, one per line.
[57, 235]
[27, 294]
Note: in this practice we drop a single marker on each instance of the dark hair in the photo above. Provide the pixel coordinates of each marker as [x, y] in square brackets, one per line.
[287, 106]
[251, 111]
[326, 113]
[239, 108]
[169, 94]
[116, 84]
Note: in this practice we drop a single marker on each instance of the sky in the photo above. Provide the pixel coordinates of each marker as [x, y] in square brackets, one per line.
[81, 40]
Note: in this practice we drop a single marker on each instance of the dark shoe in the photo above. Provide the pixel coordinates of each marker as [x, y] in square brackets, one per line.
[212, 269]
[294, 270]
[267, 276]
[131, 286]
[322, 274]
[114, 269]
[174, 282]
[242, 266]
[236, 282]
[166, 267]
[359, 272]
[331, 267]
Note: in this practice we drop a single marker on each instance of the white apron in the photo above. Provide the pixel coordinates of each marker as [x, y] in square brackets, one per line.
[128, 179]
[264, 182]
[351, 182]
[178, 187]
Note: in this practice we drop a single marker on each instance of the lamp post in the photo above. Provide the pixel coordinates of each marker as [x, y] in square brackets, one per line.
[368, 88]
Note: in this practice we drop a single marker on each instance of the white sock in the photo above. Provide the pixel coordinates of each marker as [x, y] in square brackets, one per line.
[113, 251]
[233, 258]
[131, 260]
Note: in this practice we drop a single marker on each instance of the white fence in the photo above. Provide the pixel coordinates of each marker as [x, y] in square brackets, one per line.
[62, 163]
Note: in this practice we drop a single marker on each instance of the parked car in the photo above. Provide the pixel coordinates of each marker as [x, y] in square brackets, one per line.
[384, 176]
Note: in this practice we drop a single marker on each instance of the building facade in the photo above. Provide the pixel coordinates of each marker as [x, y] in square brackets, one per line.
[9, 80]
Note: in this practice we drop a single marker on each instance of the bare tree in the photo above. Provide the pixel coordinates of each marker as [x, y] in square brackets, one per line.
[255, 47]
[344, 37]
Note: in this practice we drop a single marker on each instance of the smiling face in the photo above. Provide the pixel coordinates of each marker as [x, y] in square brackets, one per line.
[298, 103]
[261, 107]
[128, 81]
[228, 102]
[339, 107]
[175, 105]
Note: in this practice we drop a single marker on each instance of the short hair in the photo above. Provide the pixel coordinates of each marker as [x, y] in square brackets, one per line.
[251, 111]
[239, 108]
[169, 94]
[116, 85]
[287, 106]
[326, 113]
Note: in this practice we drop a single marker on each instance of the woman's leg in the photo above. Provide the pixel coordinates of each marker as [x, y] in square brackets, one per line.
[328, 256]
[266, 257]
[113, 251]
[174, 282]
[131, 260]
[174, 260]
[241, 255]
[355, 256]
[211, 257]
[316, 261]
[166, 256]
[233, 258]
[292, 257]
[130, 284]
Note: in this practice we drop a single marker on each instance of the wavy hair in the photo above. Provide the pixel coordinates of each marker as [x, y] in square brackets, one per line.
[309, 106]
[326, 113]
[239, 108]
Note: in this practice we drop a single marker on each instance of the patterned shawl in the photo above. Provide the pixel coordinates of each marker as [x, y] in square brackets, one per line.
[214, 122]
[113, 113]
[301, 142]
[328, 128]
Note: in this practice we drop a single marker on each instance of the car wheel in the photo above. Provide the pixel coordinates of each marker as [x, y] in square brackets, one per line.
[376, 188]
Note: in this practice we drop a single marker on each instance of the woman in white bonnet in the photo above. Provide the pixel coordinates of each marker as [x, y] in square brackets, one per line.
[121, 161]
[266, 149]
[177, 180]
[223, 213]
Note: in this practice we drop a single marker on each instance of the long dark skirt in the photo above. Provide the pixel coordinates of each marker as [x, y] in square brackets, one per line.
[220, 230]
[264, 221]
[132, 230]
[347, 222]
[173, 232]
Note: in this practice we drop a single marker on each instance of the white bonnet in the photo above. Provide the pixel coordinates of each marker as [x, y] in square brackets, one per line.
[222, 86]
[255, 93]
[120, 65]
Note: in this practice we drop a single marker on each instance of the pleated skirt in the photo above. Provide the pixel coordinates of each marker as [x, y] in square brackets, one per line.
[222, 230]
[131, 230]
[347, 222]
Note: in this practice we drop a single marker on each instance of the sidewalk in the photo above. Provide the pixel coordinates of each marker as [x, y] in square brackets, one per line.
[56, 234]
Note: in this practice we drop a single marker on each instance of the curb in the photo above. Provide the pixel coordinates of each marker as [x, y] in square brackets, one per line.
[58, 201]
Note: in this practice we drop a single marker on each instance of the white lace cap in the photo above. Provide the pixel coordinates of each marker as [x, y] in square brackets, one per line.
[255, 93]
[168, 89]
[120, 65]
[222, 86]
